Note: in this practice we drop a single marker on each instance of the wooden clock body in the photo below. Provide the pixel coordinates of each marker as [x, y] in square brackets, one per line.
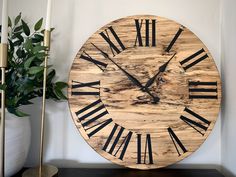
[131, 110]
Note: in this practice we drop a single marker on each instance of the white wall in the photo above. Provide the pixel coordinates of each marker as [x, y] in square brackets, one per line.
[75, 21]
[228, 68]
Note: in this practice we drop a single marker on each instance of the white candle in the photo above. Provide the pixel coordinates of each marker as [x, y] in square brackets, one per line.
[48, 18]
[4, 36]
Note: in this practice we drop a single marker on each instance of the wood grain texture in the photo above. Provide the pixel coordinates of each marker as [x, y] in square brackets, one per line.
[133, 109]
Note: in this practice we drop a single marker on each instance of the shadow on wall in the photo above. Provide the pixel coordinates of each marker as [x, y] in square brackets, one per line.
[227, 172]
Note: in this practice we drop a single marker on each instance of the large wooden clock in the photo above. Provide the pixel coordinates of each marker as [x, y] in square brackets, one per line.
[144, 92]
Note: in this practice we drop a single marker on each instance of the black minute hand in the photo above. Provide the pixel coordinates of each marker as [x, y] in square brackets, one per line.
[162, 69]
[131, 78]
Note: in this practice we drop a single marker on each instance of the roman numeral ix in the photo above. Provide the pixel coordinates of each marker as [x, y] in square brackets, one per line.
[201, 125]
[203, 90]
[90, 115]
[176, 141]
[194, 59]
[115, 48]
[147, 150]
[148, 27]
[115, 147]
[88, 88]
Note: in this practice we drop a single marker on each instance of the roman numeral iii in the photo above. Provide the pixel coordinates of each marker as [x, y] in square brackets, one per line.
[203, 90]
[85, 56]
[196, 121]
[142, 155]
[90, 115]
[88, 88]
[148, 27]
[194, 59]
[120, 144]
[181, 29]
[117, 46]
[177, 143]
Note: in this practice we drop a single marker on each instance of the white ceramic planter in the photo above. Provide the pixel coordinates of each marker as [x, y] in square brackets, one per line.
[17, 142]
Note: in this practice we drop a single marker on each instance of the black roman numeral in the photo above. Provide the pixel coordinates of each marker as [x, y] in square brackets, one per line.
[177, 143]
[202, 90]
[139, 39]
[88, 88]
[99, 64]
[201, 125]
[124, 142]
[148, 149]
[115, 49]
[181, 29]
[194, 59]
[89, 116]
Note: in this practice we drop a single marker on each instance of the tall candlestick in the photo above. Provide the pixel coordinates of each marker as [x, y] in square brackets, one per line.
[3, 65]
[4, 36]
[44, 170]
[48, 17]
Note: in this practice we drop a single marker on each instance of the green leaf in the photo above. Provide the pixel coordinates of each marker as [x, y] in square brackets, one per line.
[28, 62]
[41, 55]
[9, 22]
[3, 86]
[38, 25]
[59, 94]
[17, 19]
[61, 85]
[26, 102]
[17, 43]
[38, 48]
[18, 29]
[25, 28]
[28, 44]
[13, 101]
[50, 76]
[39, 37]
[17, 112]
[35, 69]
[20, 53]
[18, 36]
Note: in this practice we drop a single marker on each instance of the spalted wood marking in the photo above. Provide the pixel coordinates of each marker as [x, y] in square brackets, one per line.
[131, 109]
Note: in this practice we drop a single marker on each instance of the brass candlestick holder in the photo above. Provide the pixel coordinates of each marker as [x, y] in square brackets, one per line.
[3, 65]
[43, 170]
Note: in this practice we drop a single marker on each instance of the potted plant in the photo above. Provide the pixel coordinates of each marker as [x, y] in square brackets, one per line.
[24, 82]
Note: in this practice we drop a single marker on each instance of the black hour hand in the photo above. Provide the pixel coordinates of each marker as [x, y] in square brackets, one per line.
[162, 69]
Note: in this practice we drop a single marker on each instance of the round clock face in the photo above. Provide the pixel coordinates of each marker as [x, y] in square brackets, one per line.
[144, 92]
